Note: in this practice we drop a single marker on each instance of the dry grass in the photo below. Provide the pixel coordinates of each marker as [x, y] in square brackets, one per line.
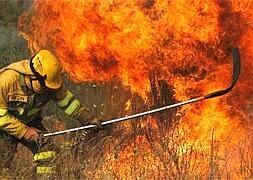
[150, 148]
[105, 156]
[133, 150]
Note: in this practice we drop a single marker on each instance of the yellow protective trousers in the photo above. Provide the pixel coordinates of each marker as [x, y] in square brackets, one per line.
[44, 153]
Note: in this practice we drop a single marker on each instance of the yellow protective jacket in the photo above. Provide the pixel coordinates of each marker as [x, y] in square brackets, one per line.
[19, 105]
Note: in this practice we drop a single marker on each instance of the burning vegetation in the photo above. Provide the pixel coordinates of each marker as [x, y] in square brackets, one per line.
[163, 52]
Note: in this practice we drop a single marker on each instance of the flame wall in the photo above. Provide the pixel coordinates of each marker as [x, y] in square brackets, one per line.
[189, 42]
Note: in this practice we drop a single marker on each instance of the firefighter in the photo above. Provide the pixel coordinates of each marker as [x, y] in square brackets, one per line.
[25, 88]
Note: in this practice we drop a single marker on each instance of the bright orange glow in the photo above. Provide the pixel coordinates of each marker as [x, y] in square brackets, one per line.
[188, 42]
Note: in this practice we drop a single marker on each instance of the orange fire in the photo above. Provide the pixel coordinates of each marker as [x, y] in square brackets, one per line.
[189, 42]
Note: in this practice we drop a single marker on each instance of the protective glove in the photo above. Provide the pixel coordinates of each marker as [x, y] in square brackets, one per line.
[97, 122]
[32, 134]
[86, 118]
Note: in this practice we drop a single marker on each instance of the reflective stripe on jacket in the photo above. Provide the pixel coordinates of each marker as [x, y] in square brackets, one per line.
[9, 87]
[19, 105]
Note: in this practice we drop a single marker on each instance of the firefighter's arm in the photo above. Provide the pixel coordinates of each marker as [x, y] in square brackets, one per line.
[11, 125]
[72, 107]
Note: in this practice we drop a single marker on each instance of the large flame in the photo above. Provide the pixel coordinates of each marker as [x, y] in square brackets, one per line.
[189, 42]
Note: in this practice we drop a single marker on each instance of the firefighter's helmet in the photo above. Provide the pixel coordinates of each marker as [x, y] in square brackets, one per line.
[46, 69]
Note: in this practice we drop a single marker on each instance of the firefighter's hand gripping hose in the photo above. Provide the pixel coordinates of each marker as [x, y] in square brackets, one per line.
[236, 72]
